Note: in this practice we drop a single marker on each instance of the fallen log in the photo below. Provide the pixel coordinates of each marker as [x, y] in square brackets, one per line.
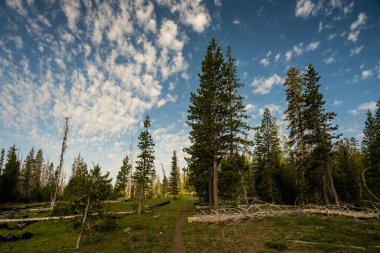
[68, 217]
[337, 245]
[217, 218]
[159, 204]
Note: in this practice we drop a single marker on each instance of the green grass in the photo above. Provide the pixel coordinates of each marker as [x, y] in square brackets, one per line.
[153, 232]
[150, 232]
[278, 245]
[272, 233]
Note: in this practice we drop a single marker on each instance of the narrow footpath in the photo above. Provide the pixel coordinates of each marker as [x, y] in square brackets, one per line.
[178, 245]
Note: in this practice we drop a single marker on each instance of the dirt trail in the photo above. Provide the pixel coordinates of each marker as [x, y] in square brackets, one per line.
[179, 246]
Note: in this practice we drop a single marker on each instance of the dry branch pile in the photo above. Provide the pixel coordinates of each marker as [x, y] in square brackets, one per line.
[261, 211]
[68, 217]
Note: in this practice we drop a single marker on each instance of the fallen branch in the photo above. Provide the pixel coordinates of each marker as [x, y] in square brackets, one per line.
[241, 214]
[68, 217]
[159, 204]
[338, 245]
[83, 223]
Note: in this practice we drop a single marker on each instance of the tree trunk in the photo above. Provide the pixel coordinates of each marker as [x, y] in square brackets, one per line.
[244, 188]
[210, 189]
[215, 184]
[83, 223]
[140, 199]
[332, 186]
[324, 191]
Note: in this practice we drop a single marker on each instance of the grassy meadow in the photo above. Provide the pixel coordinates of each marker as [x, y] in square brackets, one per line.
[153, 232]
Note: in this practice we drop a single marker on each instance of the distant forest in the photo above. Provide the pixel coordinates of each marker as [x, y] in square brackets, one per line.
[313, 164]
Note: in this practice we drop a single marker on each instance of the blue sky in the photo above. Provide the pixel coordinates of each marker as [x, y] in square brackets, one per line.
[106, 65]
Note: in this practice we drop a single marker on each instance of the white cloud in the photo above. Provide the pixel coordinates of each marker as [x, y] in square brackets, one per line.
[264, 62]
[338, 103]
[356, 50]
[367, 73]
[322, 27]
[378, 69]
[145, 15]
[19, 42]
[125, 61]
[348, 9]
[168, 36]
[331, 36]
[191, 13]
[313, 46]
[17, 5]
[269, 53]
[298, 49]
[218, 3]
[360, 22]
[288, 55]
[72, 12]
[364, 107]
[236, 21]
[250, 107]
[304, 8]
[264, 85]
[329, 60]
[171, 86]
[277, 57]
[353, 36]
[356, 26]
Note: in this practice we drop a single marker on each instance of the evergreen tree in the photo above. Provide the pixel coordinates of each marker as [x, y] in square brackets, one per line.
[145, 172]
[175, 177]
[100, 186]
[371, 150]
[36, 176]
[9, 179]
[123, 177]
[318, 137]
[26, 176]
[231, 178]
[77, 186]
[235, 123]
[268, 153]
[347, 171]
[47, 188]
[165, 183]
[217, 120]
[294, 115]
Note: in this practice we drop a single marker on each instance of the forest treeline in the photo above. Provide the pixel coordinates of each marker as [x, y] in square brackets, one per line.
[313, 163]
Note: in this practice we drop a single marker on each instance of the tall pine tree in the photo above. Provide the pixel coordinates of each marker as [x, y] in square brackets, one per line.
[268, 154]
[371, 150]
[122, 178]
[145, 172]
[318, 137]
[36, 176]
[217, 120]
[294, 115]
[9, 179]
[26, 176]
[175, 177]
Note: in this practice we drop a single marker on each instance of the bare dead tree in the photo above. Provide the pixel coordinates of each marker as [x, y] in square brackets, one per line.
[1, 160]
[130, 172]
[83, 223]
[59, 169]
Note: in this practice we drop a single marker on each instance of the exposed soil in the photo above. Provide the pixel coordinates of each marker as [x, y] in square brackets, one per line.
[178, 246]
